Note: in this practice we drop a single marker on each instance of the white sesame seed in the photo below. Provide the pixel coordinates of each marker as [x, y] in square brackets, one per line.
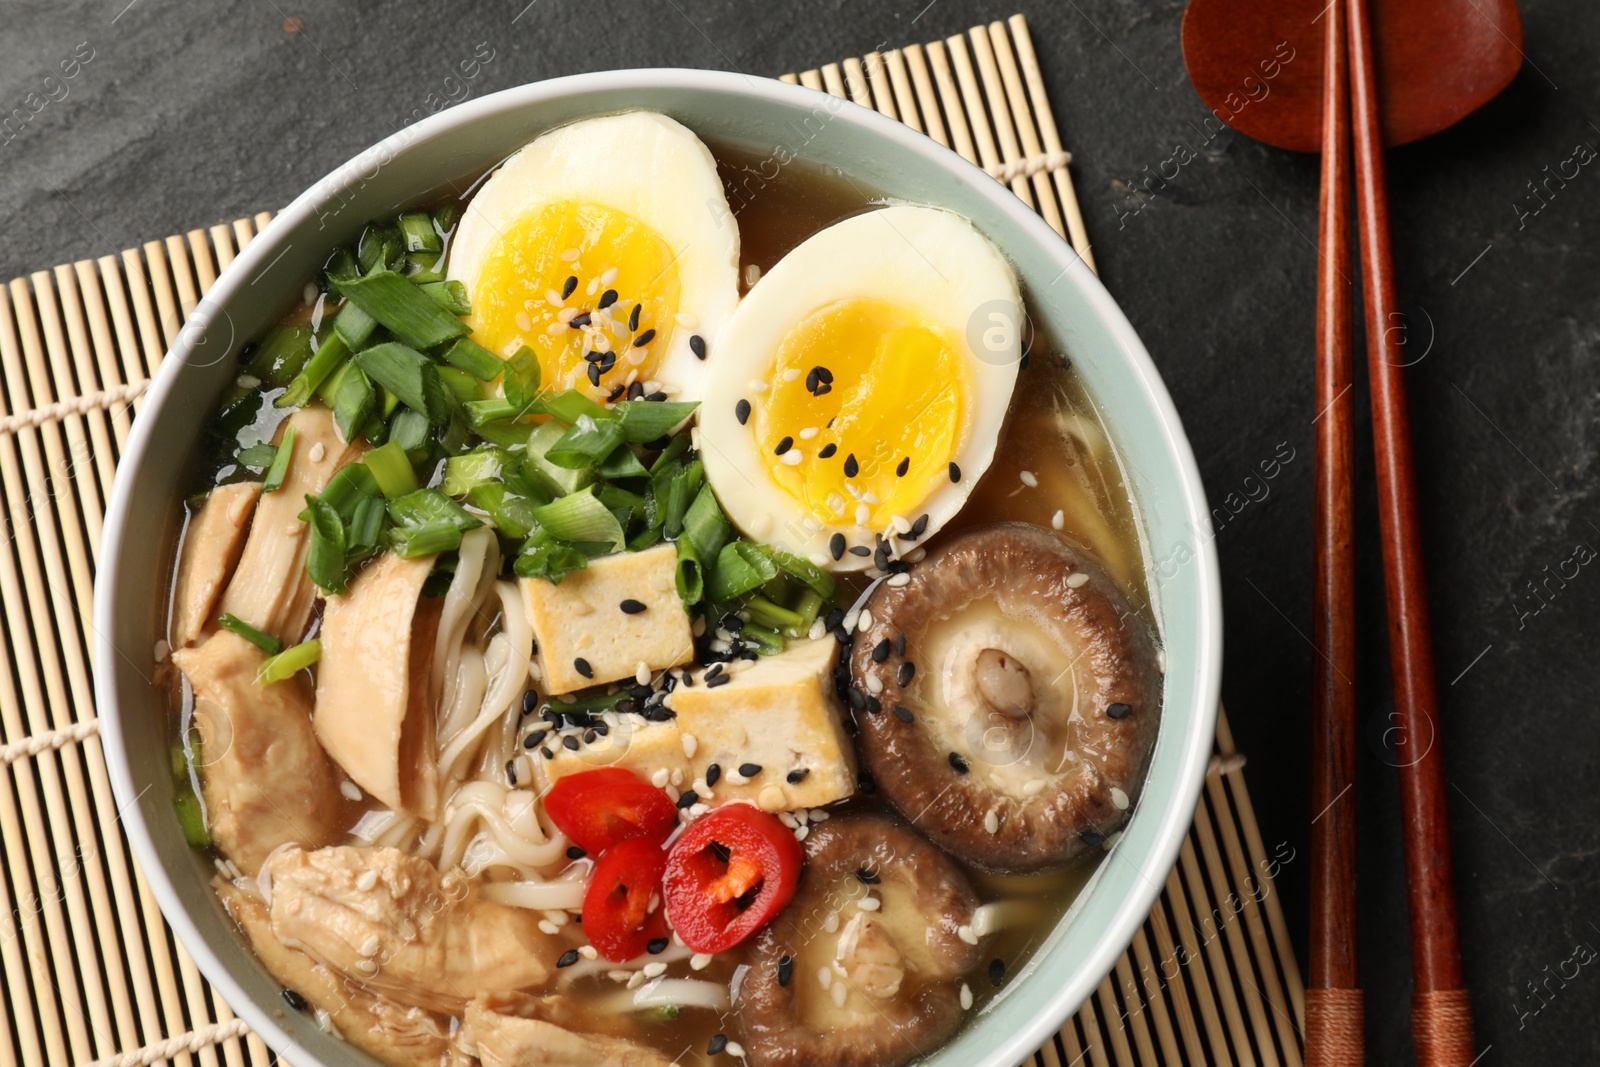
[689, 745]
[802, 833]
[869, 903]
[551, 296]
[818, 815]
[850, 617]
[588, 952]
[1058, 520]
[1029, 479]
[863, 514]
[735, 1050]
[871, 497]
[699, 961]
[676, 777]
[569, 255]
[686, 320]
[839, 994]
[593, 287]
[247, 381]
[350, 790]
[900, 524]
[831, 923]
[991, 821]
[1077, 580]
[548, 927]
[671, 791]
[897, 580]
[566, 314]
[369, 947]
[1111, 840]
[655, 970]
[874, 684]
[660, 778]
[817, 629]
[965, 933]
[555, 328]
[619, 976]
[310, 293]
[916, 555]
[836, 503]
[636, 980]
[641, 673]
[788, 819]
[1161, 660]
[791, 374]
[699, 809]
[792, 457]
[366, 880]
[966, 997]
[864, 623]
[757, 385]
[807, 434]
[1033, 788]
[825, 976]
[752, 274]
[1119, 799]
[608, 277]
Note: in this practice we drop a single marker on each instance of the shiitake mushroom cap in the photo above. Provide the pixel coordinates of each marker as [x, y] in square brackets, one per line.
[1004, 787]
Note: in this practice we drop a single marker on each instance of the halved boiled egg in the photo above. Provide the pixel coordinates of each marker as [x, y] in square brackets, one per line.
[860, 387]
[607, 247]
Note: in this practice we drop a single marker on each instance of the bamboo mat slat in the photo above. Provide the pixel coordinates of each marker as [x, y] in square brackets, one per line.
[91, 971]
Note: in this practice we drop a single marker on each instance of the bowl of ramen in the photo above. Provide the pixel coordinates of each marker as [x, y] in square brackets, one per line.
[657, 567]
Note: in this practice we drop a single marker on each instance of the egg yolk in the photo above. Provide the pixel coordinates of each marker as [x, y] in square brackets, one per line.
[873, 398]
[566, 281]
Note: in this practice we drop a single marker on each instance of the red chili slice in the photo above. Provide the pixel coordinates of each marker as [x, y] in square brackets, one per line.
[599, 808]
[616, 907]
[729, 873]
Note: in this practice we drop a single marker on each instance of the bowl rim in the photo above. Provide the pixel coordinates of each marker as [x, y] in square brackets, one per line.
[1172, 823]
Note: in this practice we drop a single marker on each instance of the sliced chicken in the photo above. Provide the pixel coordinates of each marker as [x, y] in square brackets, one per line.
[499, 1039]
[270, 589]
[397, 1034]
[211, 545]
[393, 923]
[264, 779]
[373, 713]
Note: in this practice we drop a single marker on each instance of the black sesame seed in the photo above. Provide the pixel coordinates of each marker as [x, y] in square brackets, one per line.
[547, 753]
[718, 1043]
[955, 472]
[697, 345]
[644, 339]
[851, 467]
[246, 350]
[827, 450]
[785, 969]
[874, 705]
[581, 665]
[867, 877]
[903, 713]
[860, 550]
[880, 651]
[880, 558]
[636, 390]
[741, 411]
[594, 375]
[591, 357]
[616, 392]
[856, 698]
[511, 772]
[833, 618]
[749, 770]
[822, 389]
[798, 775]
[1092, 837]
[569, 286]
[530, 702]
[608, 361]
[578, 322]
[905, 465]
[824, 375]
[783, 446]
[589, 735]
[568, 958]
[294, 1000]
[657, 946]
[866, 784]
[571, 742]
[713, 774]
[688, 798]
[957, 763]
[997, 972]
[1117, 711]
[836, 545]
[575, 853]
[608, 298]
[658, 395]
[716, 669]
[919, 527]
[721, 679]
[904, 675]
[900, 645]
[631, 606]
[532, 740]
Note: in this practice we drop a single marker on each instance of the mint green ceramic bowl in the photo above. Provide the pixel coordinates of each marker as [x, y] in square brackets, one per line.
[1067, 300]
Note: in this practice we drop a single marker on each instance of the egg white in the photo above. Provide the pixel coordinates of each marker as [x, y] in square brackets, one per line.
[926, 259]
[643, 164]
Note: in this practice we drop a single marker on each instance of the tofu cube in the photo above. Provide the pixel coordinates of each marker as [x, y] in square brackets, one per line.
[633, 745]
[780, 713]
[582, 618]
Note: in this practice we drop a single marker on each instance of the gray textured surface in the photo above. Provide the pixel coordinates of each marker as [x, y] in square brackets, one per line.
[190, 114]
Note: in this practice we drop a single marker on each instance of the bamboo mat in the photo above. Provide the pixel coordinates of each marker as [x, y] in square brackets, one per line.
[90, 970]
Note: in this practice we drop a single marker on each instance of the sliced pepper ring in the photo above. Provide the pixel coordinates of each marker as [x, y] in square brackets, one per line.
[728, 875]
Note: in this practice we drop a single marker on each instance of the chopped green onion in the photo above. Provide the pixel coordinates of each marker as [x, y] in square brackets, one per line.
[366, 528]
[476, 360]
[766, 613]
[461, 385]
[808, 606]
[481, 413]
[409, 430]
[380, 248]
[622, 463]
[258, 457]
[354, 326]
[392, 470]
[282, 353]
[549, 560]
[340, 266]
[587, 443]
[288, 663]
[594, 702]
[689, 575]
[741, 567]
[354, 401]
[644, 539]
[428, 540]
[465, 472]
[669, 455]
[346, 489]
[403, 308]
[580, 516]
[429, 507]
[325, 560]
[264, 641]
[280, 463]
[416, 229]
[560, 480]
[646, 420]
[511, 513]
[330, 385]
[568, 405]
[818, 579]
[422, 267]
[625, 505]
[522, 376]
[445, 218]
[705, 525]
[452, 296]
[330, 355]
[502, 432]
[191, 816]
[769, 642]
[410, 376]
[675, 490]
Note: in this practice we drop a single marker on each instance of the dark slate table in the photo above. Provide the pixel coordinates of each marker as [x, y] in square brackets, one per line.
[187, 114]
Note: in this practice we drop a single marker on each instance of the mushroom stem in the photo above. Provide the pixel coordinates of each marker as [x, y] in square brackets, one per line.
[1003, 683]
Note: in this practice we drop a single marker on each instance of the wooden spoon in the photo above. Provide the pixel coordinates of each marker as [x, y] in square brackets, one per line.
[1437, 61]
